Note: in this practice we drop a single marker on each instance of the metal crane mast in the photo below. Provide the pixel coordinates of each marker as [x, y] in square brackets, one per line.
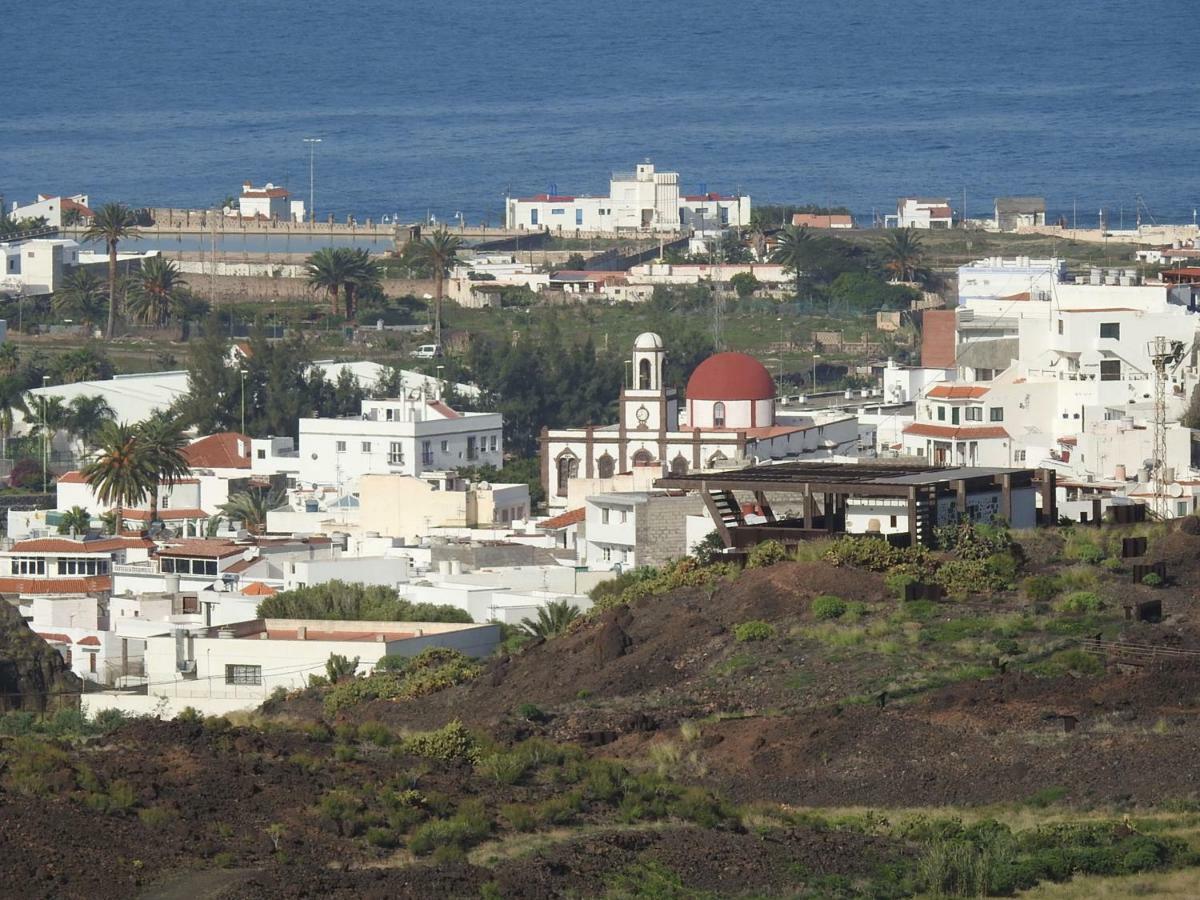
[1163, 353]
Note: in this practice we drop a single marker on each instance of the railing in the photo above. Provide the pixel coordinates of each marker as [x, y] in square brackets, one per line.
[134, 569]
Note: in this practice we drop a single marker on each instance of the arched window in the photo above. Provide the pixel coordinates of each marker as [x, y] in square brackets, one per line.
[644, 375]
[679, 465]
[568, 468]
[716, 459]
[643, 458]
[604, 466]
[718, 415]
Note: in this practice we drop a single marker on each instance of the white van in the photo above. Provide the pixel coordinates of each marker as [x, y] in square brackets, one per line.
[427, 351]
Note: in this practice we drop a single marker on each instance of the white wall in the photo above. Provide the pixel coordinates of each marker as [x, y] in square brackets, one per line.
[379, 570]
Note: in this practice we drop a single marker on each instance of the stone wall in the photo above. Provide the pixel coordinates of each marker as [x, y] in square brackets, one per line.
[236, 288]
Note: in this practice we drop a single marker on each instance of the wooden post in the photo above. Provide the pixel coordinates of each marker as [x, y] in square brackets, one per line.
[960, 490]
[912, 516]
[1006, 497]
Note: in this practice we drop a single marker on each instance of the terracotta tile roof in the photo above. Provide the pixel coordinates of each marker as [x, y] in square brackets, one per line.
[982, 432]
[443, 409]
[143, 515]
[90, 641]
[289, 634]
[1099, 309]
[25, 585]
[258, 589]
[241, 565]
[52, 637]
[563, 520]
[219, 451]
[66, 203]
[957, 391]
[201, 548]
[72, 478]
[818, 220]
[1070, 441]
[66, 545]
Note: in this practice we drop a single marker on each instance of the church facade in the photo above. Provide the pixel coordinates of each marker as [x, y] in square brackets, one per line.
[728, 419]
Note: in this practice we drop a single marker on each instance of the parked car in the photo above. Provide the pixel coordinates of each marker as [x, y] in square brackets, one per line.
[427, 351]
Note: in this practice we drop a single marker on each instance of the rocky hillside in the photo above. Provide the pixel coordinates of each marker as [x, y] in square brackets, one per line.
[33, 676]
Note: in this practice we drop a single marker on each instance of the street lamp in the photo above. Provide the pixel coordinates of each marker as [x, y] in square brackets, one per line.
[816, 356]
[312, 149]
[439, 381]
[45, 439]
[242, 372]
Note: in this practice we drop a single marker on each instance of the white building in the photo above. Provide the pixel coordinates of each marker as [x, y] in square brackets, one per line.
[921, 212]
[998, 277]
[405, 436]
[641, 200]
[269, 203]
[36, 267]
[55, 210]
[627, 530]
[729, 420]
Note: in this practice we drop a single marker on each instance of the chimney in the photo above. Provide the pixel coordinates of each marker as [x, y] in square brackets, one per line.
[302, 633]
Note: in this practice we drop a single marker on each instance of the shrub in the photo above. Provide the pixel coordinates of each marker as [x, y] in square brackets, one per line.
[342, 808]
[898, 580]
[1080, 602]
[753, 631]
[766, 554]
[156, 816]
[828, 606]
[1082, 547]
[375, 733]
[338, 667]
[189, 715]
[339, 600]
[1152, 579]
[709, 549]
[431, 670]
[503, 767]
[645, 582]
[384, 838]
[519, 816]
[531, 713]
[1068, 661]
[391, 663]
[450, 742]
[1041, 588]
[961, 577]
[468, 827]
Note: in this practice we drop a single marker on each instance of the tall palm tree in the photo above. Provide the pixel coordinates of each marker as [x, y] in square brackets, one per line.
[10, 359]
[87, 416]
[328, 270]
[553, 618]
[251, 508]
[82, 296]
[49, 416]
[112, 223]
[76, 519]
[12, 400]
[120, 474]
[904, 254]
[188, 309]
[795, 252]
[162, 440]
[155, 291]
[363, 275]
[438, 251]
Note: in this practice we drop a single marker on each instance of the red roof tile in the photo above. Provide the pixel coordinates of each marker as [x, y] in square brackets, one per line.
[52, 637]
[26, 585]
[201, 548]
[219, 451]
[956, 391]
[563, 520]
[258, 589]
[982, 432]
[66, 545]
[143, 515]
[443, 409]
[90, 641]
[72, 478]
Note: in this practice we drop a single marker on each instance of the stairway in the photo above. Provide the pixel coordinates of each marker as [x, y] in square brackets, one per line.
[728, 508]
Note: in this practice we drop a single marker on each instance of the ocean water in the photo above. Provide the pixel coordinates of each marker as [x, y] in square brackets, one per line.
[443, 107]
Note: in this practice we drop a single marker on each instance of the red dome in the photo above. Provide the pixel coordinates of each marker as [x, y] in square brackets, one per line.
[731, 376]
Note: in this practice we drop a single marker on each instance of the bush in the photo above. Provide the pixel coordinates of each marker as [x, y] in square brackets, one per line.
[753, 631]
[828, 607]
[26, 475]
[1080, 602]
[338, 667]
[1067, 661]
[1152, 579]
[530, 713]
[898, 580]
[375, 733]
[766, 554]
[1081, 546]
[339, 600]
[384, 838]
[450, 742]
[431, 670]
[1041, 588]
[468, 827]
[503, 767]
[643, 583]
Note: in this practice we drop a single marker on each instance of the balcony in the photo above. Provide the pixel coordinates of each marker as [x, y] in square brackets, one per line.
[142, 568]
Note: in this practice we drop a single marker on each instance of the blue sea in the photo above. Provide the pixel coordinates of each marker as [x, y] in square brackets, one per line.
[444, 107]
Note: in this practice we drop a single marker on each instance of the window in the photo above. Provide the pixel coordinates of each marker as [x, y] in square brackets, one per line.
[941, 413]
[533, 217]
[341, 446]
[494, 443]
[445, 446]
[892, 521]
[366, 446]
[1060, 327]
[243, 674]
[165, 503]
[262, 454]
[718, 415]
[396, 455]
[604, 515]
[578, 216]
[1019, 456]
[167, 565]
[1110, 330]
[568, 468]
[1110, 370]
[973, 413]
[472, 449]
[604, 466]
[624, 516]
[557, 212]
[644, 375]
[996, 414]
[954, 415]
[606, 554]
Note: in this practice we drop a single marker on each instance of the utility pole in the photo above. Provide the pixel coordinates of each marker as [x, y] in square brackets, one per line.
[312, 206]
[45, 439]
[1163, 353]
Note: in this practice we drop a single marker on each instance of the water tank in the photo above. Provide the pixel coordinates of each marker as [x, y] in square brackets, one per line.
[456, 567]
[1096, 276]
[311, 506]
[443, 566]
[1168, 474]
[1112, 276]
[1119, 473]
[172, 583]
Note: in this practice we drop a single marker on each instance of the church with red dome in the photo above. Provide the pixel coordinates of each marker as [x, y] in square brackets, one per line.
[727, 419]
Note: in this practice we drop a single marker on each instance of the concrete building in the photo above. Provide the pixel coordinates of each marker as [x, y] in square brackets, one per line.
[36, 267]
[1013, 213]
[999, 278]
[67, 567]
[627, 530]
[824, 221]
[729, 419]
[641, 200]
[410, 506]
[269, 203]
[57, 211]
[921, 212]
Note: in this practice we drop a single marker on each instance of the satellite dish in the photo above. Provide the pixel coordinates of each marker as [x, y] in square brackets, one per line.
[415, 394]
[1175, 490]
[250, 554]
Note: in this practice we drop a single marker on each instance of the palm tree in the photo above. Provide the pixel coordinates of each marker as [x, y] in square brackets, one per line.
[12, 399]
[155, 291]
[553, 618]
[904, 254]
[50, 415]
[188, 309]
[251, 508]
[113, 223]
[87, 415]
[363, 275]
[10, 359]
[76, 519]
[162, 440]
[794, 252]
[328, 270]
[120, 474]
[438, 251]
[82, 296]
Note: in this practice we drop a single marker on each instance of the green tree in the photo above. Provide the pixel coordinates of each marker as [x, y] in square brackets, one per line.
[552, 619]
[794, 252]
[251, 508]
[355, 602]
[329, 270]
[120, 473]
[161, 440]
[82, 296]
[363, 278]
[12, 400]
[744, 284]
[87, 363]
[155, 292]
[76, 519]
[112, 223]
[438, 251]
[87, 415]
[10, 359]
[188, 310]
[904, 255]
